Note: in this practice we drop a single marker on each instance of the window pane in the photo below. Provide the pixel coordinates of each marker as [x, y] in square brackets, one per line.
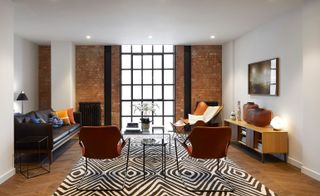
[147, 77]
[168, 76]
[147, 62]
[168, 108]
[126, 108]
[134, 111]
[126, 61]
[157, 77]
[167, 121]
[124, 121]
[168, 92]
[159, 111]
[126, 48]
[147, 48]
[136, 119]
[126, 77]
[168, 61]
[136, 92]
[157, 92]
[157, 48]
[137, 61]
[126, 92]
[136, 77]
[147, 92]
[157, 121]
[157, 61]
[168, 48]
[136, 48]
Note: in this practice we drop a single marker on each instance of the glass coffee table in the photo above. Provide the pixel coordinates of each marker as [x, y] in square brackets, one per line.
[151, 142]
[152, 131]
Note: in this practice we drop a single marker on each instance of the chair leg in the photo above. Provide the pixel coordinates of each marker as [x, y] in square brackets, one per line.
[177, 159]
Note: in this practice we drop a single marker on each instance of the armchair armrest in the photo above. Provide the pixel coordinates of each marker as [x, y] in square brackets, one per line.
[78, 117]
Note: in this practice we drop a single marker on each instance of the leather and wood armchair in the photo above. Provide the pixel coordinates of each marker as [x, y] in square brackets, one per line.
[102, 142]
[207, 143]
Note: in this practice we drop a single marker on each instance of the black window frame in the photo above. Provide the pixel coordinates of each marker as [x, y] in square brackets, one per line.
[162, 69]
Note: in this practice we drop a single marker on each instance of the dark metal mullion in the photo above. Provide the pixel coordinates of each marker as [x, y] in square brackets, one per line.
[152, 87]
[121, 87]
[162, 84]
[141, 78]
[131, 117]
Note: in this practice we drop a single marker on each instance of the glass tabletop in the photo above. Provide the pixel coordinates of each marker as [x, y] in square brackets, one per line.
[153, 142]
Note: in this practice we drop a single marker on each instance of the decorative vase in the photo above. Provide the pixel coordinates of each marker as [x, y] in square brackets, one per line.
[246, 108]
[259, 117]
[145, 124]
[238, 115]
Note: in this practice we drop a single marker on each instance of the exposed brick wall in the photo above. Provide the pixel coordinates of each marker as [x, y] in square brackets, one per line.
[90, 75]
[206, 62]
[179, 82]
[44, 77]
[115, 85]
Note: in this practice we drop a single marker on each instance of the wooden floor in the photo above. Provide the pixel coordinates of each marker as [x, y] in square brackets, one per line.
[280, 177]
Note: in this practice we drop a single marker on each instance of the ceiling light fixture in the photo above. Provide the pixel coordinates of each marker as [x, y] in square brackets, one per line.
[212, 37]
[150, 37]
[88, 37]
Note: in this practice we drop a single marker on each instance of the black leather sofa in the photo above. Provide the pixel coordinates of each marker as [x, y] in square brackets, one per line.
[23, 127]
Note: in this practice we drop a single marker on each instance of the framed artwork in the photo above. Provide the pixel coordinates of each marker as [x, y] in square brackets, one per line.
[263, 77]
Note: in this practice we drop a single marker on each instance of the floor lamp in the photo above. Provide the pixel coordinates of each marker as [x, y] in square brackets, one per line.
[22, 97]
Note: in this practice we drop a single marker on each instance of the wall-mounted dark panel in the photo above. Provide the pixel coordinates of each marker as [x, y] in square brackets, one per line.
[107, 85]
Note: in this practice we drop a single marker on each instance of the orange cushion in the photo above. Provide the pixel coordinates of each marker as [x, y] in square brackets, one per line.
[70, 115]
[63, 114]
[201, 108]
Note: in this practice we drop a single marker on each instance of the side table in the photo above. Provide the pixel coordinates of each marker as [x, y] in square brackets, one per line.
[33, 145]
[152, 142]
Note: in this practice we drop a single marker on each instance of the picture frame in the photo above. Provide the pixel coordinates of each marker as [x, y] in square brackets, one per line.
[263, 77]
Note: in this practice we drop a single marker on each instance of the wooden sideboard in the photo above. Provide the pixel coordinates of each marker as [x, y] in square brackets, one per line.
[264, 140]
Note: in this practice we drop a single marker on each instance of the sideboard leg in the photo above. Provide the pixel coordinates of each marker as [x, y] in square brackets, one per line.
[262, 157]
[285, 158]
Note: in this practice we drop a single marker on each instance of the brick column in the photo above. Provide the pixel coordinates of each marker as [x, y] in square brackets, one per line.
[206, 74]
[179, 82]
[115, 85]
[90, 75]
[44, 77]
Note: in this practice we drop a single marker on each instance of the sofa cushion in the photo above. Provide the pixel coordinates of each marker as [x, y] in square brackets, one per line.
[61, 132]
[19, 118]
[63, 114]
[28, 116]
[44, 114]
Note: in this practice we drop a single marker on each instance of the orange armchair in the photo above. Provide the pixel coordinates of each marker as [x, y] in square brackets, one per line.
[102, 142]
[207, 143]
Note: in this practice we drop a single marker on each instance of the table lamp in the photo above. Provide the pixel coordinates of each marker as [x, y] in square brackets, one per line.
[277, 123]
[22, 97]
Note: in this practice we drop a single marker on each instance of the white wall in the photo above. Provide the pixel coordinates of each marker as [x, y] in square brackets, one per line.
[6, 86]
[25, 73]
[62, 75]
[294, 38]
[227, 78]
[311, 93]
[280, 38]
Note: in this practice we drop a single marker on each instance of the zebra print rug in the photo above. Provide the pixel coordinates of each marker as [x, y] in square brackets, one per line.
[193, 174]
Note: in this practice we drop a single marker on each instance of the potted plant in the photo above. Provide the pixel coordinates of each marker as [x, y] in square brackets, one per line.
[145, 109]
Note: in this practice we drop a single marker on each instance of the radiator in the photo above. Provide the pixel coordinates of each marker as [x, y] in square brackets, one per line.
[91, 113]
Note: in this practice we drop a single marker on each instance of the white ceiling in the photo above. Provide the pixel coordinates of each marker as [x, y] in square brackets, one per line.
[132, 21]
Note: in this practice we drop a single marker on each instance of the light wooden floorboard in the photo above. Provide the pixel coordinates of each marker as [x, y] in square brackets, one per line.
[282, 178]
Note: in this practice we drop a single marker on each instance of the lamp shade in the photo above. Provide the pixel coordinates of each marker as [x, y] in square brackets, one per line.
[22, 97]
[277, 123]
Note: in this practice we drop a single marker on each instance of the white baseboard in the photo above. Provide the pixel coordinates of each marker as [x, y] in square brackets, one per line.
[310, 172]
[294, 162]
[7, 175]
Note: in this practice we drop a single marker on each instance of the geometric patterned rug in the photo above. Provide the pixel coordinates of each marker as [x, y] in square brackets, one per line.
[193, 174]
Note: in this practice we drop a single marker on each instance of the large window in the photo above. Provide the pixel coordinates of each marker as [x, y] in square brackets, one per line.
[148, 76]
